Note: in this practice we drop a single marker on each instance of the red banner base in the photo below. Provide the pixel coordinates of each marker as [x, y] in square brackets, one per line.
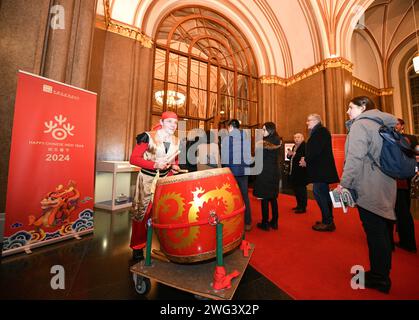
[223, 280]
[245, 247]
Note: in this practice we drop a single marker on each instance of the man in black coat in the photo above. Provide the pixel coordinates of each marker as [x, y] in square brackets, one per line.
[298, 174]
[321, 169]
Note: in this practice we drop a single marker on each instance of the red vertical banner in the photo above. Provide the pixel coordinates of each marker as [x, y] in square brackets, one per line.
[51, 171]
[338, 148]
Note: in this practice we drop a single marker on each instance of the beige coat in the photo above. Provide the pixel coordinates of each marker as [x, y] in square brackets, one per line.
[376, 191]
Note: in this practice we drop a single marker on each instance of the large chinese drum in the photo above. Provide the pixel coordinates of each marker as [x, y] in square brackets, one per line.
[186, 208]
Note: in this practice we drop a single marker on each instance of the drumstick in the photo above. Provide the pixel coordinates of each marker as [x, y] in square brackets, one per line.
[172, 157]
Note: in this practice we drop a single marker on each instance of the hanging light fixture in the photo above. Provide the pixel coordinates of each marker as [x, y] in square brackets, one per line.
[416, 58]
[173, 98]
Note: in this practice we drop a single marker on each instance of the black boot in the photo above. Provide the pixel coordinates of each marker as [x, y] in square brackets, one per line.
[273, 225]
[263, 226]
[137, 255]
[378, 282]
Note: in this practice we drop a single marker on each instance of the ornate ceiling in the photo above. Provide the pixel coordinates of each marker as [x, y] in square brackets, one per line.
[288, 36]
[387, 29]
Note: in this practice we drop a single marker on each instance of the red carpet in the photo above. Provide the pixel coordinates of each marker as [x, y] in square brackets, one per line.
[315, 265]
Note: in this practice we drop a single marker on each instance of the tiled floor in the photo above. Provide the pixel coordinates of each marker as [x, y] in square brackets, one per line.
[97, 267]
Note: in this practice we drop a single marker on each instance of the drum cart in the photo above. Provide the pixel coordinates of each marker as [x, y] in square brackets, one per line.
[215, 279]
[195, 278]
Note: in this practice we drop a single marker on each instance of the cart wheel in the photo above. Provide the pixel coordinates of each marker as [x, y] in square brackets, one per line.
[142, 285]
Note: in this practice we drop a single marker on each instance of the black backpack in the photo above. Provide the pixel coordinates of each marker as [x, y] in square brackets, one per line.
[397, 159]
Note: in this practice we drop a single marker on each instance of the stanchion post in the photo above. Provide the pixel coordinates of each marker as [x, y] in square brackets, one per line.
[219, 251]
[148, 245]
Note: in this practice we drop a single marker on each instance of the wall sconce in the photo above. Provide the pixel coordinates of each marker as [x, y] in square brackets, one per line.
[416, 63]
[416, 58]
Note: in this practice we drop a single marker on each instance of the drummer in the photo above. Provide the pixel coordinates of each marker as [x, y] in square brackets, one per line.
[155, 150]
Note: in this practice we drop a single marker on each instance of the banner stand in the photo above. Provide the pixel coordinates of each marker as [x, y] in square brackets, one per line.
[28, 249]
[50, 186]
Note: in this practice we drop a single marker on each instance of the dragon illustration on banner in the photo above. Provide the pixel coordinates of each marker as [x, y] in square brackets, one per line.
[57, 206]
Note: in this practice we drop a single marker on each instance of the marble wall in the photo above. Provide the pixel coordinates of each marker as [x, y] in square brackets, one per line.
[22, 34]
[121, 74]
[303, 98]
[29, 43]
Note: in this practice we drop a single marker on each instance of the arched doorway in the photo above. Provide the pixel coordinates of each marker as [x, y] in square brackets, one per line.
[204, 69]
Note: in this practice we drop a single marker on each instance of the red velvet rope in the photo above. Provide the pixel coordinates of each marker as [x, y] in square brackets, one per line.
[197, 223]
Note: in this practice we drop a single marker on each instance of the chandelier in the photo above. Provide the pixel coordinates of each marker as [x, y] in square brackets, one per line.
[173, 98]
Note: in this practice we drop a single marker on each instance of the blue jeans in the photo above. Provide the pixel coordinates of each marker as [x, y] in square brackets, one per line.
[243, 182]
[321, 194]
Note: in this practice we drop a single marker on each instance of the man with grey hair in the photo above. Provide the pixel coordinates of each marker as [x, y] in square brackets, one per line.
[321, 169]
[298, 174]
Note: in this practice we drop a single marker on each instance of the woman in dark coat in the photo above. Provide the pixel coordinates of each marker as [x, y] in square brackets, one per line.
[266, 185]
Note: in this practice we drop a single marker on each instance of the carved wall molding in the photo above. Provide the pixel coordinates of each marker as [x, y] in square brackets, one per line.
[369, 88]
[123, 29]
[337, 62]
[273, 80]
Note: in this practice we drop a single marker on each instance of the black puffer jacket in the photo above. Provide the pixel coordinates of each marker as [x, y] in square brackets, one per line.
[266, 184]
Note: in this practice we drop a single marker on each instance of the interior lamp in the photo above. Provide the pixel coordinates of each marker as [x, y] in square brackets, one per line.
[416, 58]
[173, 98]
[416, 63]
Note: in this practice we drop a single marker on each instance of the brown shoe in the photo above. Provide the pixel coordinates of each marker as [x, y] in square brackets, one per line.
[248, 227]
[324, 227]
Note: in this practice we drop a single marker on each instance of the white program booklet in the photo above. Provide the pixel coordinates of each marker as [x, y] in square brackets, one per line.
[337, 201]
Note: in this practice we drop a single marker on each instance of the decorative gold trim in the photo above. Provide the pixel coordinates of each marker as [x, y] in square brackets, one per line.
[386, 91]
[123, 29]
[370, 88]
[337, 62]
[273, 80]
[130, 33]
[365, 86]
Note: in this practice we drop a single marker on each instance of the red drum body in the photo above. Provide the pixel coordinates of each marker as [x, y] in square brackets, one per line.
[183, 211]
